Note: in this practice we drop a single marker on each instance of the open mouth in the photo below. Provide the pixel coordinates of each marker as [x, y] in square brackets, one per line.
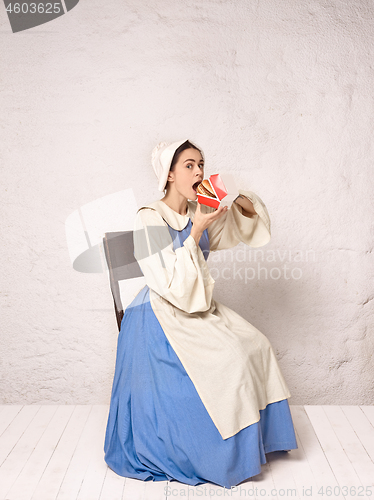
[194, 187]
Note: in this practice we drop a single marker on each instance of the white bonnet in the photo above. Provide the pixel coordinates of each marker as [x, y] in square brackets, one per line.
[162, 156]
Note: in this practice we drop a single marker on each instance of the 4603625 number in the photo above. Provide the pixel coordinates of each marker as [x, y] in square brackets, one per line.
[34, 8]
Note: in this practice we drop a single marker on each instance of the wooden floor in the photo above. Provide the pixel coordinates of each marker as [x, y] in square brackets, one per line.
[56, 452]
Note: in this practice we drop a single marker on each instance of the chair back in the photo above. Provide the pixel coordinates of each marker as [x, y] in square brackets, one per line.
[122, 265]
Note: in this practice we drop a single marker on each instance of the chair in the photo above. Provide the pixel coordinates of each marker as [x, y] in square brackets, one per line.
[122, 265]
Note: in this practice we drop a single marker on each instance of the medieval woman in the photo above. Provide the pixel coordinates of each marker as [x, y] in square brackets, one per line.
[198, 395]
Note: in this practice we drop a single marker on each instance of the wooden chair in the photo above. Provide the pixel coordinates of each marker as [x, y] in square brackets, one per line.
[122, 265]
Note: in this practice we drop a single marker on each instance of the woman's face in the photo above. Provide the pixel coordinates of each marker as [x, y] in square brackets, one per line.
[188, 170]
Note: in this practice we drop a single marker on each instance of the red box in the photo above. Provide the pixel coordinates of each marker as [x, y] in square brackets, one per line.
[224, 188]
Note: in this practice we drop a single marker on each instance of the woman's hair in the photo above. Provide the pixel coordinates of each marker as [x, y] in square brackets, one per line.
[182, 147]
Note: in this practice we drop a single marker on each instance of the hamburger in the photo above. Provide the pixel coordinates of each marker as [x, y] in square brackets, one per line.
[205, 188]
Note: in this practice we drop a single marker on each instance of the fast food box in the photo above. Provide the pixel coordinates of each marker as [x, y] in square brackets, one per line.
[219, 190]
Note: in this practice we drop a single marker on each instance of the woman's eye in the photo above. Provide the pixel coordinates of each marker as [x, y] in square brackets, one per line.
[190, 165]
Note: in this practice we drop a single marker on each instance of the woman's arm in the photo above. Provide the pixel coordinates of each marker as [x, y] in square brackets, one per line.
[182, 277]
[251, 228]
[247, 206]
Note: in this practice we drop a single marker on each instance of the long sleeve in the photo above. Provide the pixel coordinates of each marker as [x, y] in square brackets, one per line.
[182, 276]
[234, 227]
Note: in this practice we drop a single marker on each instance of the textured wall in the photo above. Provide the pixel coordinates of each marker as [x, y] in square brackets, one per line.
[280, 93]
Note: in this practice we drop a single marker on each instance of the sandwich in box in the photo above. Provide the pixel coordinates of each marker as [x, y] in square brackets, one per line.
[218, 190]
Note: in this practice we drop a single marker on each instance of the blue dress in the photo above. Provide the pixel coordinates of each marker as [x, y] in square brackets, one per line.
[158, 428]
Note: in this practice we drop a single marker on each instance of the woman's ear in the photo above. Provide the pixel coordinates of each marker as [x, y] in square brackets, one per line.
[170, 176]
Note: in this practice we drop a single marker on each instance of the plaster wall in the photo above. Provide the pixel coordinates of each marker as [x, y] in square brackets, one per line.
[279, 93]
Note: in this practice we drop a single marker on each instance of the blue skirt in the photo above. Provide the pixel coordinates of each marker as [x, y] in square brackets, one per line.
[158, 428]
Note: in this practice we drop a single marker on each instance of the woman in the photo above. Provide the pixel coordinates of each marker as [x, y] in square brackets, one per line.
[198, 395]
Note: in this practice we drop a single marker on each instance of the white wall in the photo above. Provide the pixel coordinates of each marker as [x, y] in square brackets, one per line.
[280, 93]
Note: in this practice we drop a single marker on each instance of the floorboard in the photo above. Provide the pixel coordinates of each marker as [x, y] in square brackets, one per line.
[54, 452]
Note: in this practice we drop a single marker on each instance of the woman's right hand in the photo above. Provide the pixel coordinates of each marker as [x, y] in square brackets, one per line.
[203, 221]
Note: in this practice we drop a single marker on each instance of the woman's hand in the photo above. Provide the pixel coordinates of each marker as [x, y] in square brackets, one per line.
[203, 221]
